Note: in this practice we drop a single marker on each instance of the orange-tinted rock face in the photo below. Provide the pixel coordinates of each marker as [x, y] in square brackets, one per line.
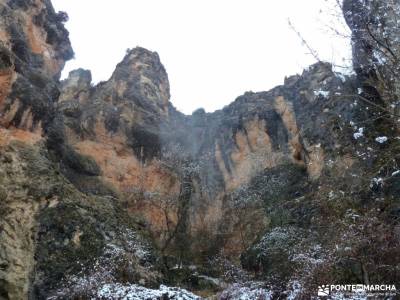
[7, 77]
[149, 190]
[252, 154]
[156, 91]
[77, 86]
[285, 110]
[123, 170]
[14, 134]
[32, 54]
[121, 133]
[39, 31]
[147, 151]
[37, 43]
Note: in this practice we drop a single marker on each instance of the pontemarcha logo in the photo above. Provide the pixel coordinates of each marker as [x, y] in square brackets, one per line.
[323, 290]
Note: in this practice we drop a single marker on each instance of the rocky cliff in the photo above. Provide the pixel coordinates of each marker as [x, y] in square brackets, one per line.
[107, 191]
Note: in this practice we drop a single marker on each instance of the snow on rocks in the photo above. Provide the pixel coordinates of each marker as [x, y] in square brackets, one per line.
[295, 290]
[246, 291]
[354, 104]
[376, 182]
[258, 290]
[381, 139]
[324, 94]
[359, 133]
[341, 76]
[136, 292]
[396, 173]
[133, 254]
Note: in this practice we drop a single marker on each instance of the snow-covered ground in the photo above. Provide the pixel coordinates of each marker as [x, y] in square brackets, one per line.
[136, 292]
[246, 291]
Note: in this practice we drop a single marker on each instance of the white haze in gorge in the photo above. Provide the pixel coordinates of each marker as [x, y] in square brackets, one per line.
[213, 50]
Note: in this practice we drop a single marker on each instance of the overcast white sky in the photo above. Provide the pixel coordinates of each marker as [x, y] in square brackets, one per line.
[213, 50]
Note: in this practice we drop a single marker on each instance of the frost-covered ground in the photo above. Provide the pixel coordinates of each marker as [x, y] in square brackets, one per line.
[136, 292]
[247, 291]
[130, 261]
[259, 291]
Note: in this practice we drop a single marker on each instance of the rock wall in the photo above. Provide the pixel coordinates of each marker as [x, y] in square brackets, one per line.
[34, 46]
[375, 31]
[144, 147]
[49, 231]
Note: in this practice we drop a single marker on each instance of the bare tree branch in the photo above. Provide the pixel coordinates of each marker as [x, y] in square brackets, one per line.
[304, 42]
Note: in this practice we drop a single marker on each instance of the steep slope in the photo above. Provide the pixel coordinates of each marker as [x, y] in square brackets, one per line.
[49, 231]
[148, 151]
[34, 48]
[29, 68]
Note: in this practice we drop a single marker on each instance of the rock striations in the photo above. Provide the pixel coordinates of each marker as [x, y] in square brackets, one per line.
[107, 191]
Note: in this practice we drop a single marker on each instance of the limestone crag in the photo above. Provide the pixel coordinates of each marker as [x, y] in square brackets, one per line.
[36, 249]
[34, 47]
[143, 145]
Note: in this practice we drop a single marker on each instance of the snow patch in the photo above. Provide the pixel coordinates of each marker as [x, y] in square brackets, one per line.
[248, 291]
[359, 133]
[376, 182]
[324, 94]
[341, 77]
[136, 292]
[381, 139]
[295, 291]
